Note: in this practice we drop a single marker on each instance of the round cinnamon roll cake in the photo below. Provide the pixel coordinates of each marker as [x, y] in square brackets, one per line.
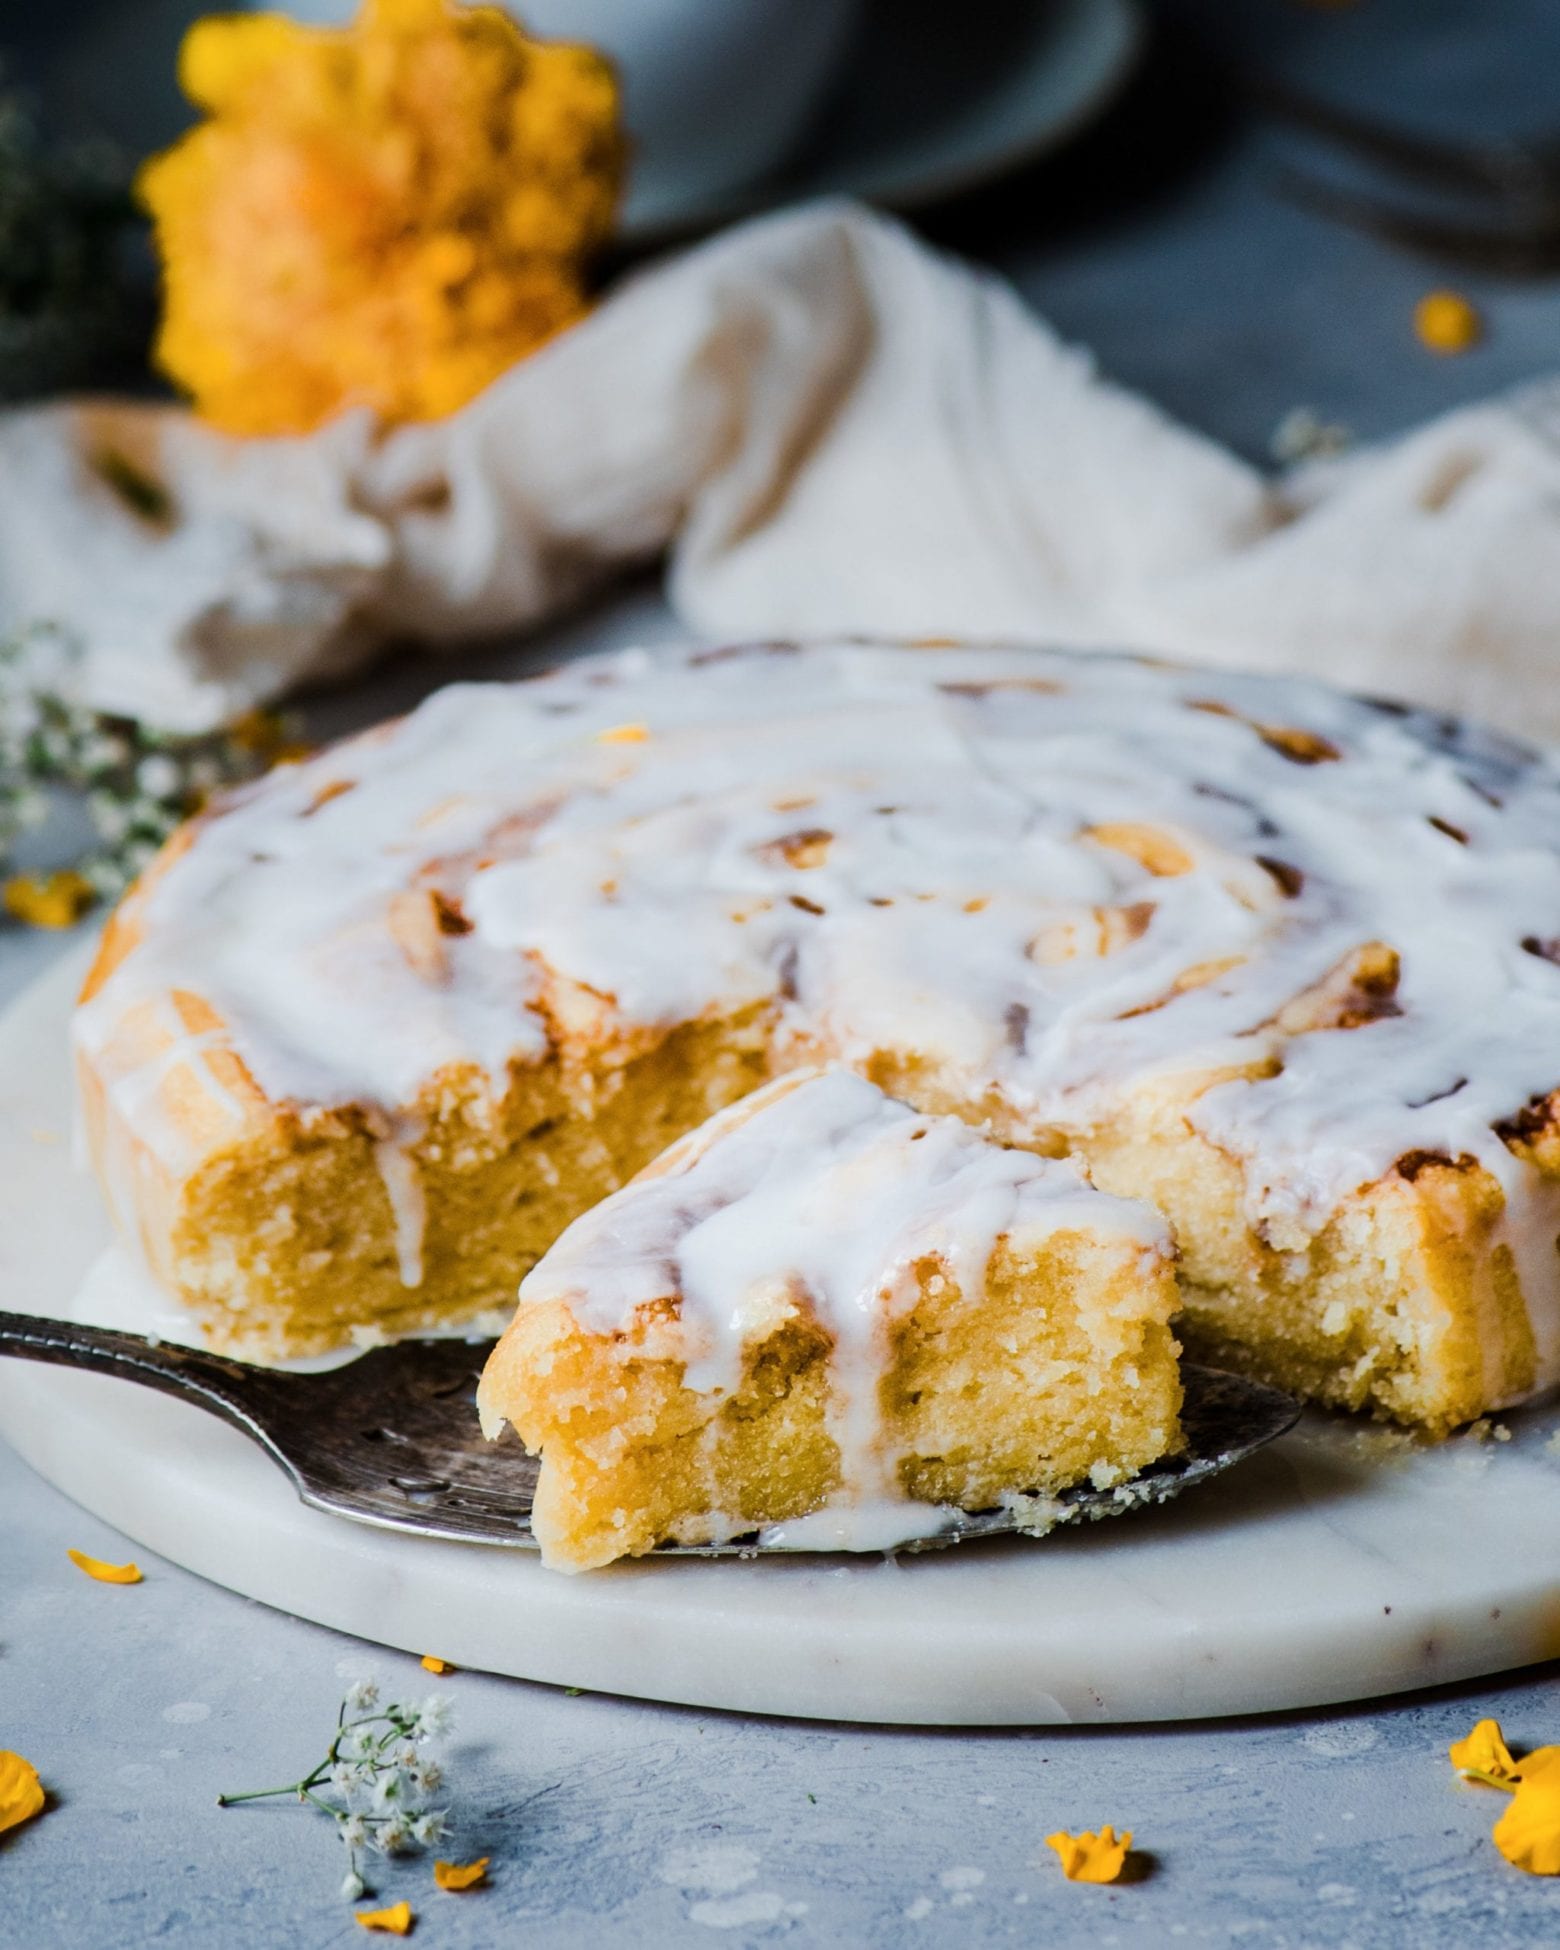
[1282, 963]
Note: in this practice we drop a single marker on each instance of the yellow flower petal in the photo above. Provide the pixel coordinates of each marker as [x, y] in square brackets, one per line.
[1528, 1833]
[55, 900]
[1446, 322]
[105, 1573]
[21, 1792]
[395, 1921]
[461, 1875]
[431, 1664]
[623, 734]
[1088, 1857]
[385, 214]
[1484, 1753]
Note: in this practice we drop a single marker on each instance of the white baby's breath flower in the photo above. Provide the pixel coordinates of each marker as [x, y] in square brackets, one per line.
[390, 1789]
[428, 1775]
[435, 1718]
[354, 1830]
[361, 1695]
[392, 1836]
[352, 1885]
[104, 752]
[429, 1827]
[110, 816]
[158, 776]
[28, 806]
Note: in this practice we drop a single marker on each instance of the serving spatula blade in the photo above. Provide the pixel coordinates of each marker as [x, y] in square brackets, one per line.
[392, 1438]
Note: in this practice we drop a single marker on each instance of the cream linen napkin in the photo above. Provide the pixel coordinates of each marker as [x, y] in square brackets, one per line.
[824, 426]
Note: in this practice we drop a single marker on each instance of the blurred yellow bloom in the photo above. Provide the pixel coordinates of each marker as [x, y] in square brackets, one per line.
[105, 1573]
[432, 1664]
[1446, 322]
[1528, 1833]
[21, 1792]
[1484, 1754]
[54, 900]
[394, 1921]
[1091, 1858]
[461, 1875]
[387, 214]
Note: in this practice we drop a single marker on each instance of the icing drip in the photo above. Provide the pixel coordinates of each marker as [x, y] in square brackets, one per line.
[402, 1180]
[819, 1194]
[1055, 879]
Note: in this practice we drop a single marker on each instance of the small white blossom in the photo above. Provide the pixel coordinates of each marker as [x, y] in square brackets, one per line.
[354, 1830]
[104, 752]
[428, 1775]
[158, 776]
[110, 816]
[352, 1885]
[361, 1695]
[429, 1827]
[392, 1835]
[389, 1789]
[435, 1718]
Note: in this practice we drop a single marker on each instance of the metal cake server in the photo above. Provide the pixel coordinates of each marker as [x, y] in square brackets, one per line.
[391, 1438]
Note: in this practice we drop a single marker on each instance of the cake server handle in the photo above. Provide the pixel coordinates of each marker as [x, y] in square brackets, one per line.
[222, 1387]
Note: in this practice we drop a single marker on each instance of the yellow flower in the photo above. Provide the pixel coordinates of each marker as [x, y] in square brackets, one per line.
[21, 1792]
[461, 1875]
[1484, 1755]
[1446, 322]
[105, 1573]
[395, 1921]
[1091, 1858]
[387, 214]
[1528, 1833]
[56, 900]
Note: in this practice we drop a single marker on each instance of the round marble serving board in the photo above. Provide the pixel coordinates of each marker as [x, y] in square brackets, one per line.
[1340, 1563]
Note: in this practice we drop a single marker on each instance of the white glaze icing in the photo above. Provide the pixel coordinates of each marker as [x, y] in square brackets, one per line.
[820, 1193]
[957, 788]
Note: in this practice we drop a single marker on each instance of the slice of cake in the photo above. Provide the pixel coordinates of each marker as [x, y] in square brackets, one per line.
[825, 1306]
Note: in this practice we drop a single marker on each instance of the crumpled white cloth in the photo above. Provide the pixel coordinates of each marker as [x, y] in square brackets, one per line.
[824, 426]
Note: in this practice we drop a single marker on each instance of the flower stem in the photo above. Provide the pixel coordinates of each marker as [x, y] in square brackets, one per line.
[258, 1794]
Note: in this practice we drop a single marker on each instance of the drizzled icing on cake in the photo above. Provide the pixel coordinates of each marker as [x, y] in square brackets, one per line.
[1055, 879]
[819, 1193]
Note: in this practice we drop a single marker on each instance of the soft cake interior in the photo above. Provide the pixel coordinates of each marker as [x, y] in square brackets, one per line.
[286, 1238]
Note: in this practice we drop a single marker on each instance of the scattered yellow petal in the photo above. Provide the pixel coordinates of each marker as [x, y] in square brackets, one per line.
[1089, 1857]
[395, 1921]
[431, 1664]
[1528, 1833]
[461, 1875]
[1484, 1754]
[21, 1792]
[623, 734]
[55, 900]
[387, 214]
[105, 1573]
[1446, 322]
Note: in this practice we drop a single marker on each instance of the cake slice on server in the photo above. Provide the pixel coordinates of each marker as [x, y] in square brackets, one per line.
[827, 1313]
